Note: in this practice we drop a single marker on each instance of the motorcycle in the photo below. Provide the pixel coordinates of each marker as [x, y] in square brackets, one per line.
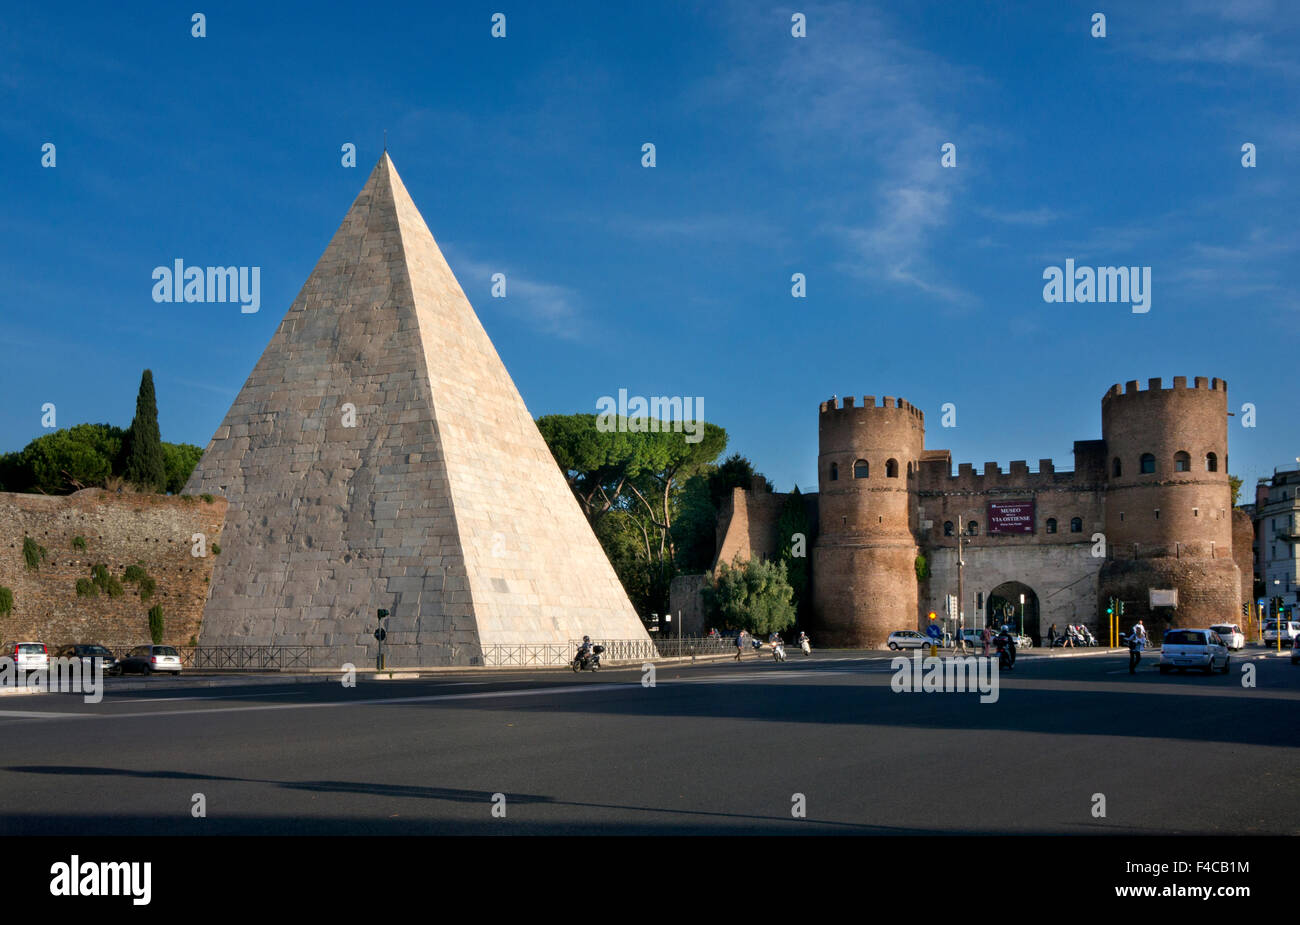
[590, 662]
[778, 652]
[1006, 652]
[806, 646]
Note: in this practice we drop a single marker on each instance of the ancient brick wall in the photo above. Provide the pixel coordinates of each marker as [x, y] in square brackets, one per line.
[1243, 552]
[119, 530]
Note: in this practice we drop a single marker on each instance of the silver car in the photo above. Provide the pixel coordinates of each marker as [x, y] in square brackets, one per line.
[908, 639]
[151, 659]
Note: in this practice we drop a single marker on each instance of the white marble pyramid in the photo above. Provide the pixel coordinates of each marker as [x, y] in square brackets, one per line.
[379, 455]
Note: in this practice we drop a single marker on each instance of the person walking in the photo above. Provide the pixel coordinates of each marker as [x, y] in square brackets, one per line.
[961, 638]
[1137, 640]
[740, 644]
[987, 636]
[1051, 635]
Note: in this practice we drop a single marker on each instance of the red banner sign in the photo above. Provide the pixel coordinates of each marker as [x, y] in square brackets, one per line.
[1011, 517]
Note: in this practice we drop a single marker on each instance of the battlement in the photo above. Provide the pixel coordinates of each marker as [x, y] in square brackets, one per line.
[1156, 384]
[936, 472]
[888, 402]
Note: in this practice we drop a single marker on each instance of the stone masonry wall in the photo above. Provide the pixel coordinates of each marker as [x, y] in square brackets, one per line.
[119, 530]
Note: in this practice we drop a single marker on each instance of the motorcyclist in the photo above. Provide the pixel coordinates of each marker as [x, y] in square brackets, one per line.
[804, 642]
[1007, 643]
[584, 650]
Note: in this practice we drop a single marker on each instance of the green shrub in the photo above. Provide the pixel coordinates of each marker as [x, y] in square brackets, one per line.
[33, 553]
[922, 566]
[106, 581]
[206, 497]
[78, 542]
[216, 549]
[6, 601]
[147, 587]
[134, 573]
[86, 588]
[156, 624]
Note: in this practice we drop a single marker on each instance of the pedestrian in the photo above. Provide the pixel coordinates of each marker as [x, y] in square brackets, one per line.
[961, 639]
[1051, 635]
[740, 644]
[1137, 640]
[987, 636]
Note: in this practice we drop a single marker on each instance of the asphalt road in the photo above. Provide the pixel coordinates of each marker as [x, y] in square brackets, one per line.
[713, 748]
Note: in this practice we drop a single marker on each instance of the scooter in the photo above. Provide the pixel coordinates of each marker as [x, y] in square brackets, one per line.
[778, 652]
[590, 663]
[1006, 652]
[806, 646]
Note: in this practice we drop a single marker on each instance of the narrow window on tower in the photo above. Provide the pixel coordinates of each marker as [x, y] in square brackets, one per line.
[947, 528]
[1051, 525]
[835, 472]
[1076, 525]
[1211, 462]
[1148, 464]
[860, 469]
[1182, 462]
[972, 528]
[891, 469]
[1117, 468]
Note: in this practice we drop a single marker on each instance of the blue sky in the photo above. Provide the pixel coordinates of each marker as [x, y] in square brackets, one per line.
[775, 155]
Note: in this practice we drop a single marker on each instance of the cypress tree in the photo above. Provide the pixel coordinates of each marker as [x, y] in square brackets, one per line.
[145, 464]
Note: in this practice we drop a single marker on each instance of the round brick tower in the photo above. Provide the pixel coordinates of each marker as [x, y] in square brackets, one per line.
[864, 561]
[1168, 503]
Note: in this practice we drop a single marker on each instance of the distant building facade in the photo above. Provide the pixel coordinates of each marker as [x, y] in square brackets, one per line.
[1276, 514]
[1145, 517]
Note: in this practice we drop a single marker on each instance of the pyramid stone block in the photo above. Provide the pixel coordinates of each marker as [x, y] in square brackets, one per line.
[379, 455]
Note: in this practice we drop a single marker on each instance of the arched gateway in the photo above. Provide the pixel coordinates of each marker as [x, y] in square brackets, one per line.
[1004, 606]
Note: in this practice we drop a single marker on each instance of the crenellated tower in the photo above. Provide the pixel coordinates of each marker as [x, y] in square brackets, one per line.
[865, 555]
[1168, 501]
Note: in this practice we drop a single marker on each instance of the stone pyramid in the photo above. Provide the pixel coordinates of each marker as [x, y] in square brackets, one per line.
[379, 455]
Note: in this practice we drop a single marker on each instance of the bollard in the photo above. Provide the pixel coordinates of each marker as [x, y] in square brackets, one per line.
[934, 650]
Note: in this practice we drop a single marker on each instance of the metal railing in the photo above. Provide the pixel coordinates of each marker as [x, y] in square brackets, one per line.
[527, 654]
[255, 658]
[520, 655]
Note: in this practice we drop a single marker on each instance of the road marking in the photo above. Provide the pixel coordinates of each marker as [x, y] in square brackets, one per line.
[37, 714]
[373, 701]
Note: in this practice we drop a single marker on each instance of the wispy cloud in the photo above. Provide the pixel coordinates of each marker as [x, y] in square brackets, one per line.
[548, 307]
[874, 103]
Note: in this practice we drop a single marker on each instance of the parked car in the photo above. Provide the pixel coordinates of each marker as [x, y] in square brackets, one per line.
[1183, 649]
[973, 637]
[1290, 630]
[149, 659]
[28, 656]
[1231, 635]
[89, 654]
[908, 639]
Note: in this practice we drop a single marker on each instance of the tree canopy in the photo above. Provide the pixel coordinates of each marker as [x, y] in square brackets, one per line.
[753, 595]
[633, 483]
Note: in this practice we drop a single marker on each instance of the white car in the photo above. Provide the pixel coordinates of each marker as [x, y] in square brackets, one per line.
[1183, 649]
[28, 656]
[908, 639]
[1290, 630]
[1231, 635]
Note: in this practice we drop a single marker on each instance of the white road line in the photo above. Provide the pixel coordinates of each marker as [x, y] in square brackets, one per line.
[374, 701]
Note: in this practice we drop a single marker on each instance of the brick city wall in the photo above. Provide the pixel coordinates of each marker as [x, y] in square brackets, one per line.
[119, 530]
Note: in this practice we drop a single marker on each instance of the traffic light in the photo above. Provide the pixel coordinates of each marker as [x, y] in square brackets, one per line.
[1110, 606]
[1245, 610]
[382, 613]
[1121, 608]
